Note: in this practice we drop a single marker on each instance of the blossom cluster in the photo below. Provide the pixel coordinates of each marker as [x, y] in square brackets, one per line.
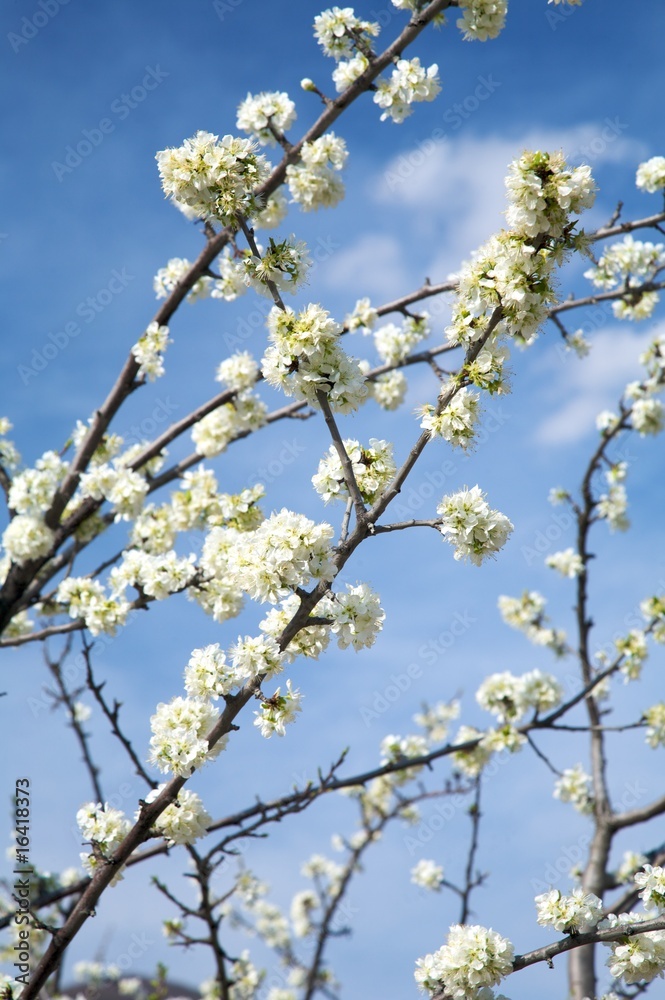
[149, 350]
[212, 178]
[574, 786]
[104, 827]
[409, 83]
[314, 181]
[482, 19]
[509, 697]
[229, 284]
[241, 415]
[577, 913]
[456, 421]
[471, 526]
[512, 272]
[262, 115]
[651, 175]
[527, 613]
[183, 821]
[472, 958]
[639, 958]
[393, 343]
[373, 468]
[305, 358]
[627, 265]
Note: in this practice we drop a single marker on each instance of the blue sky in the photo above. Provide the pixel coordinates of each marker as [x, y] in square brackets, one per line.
[420, 198]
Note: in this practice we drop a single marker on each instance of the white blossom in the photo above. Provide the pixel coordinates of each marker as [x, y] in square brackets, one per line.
[258, 112]
[574, 786]
[389, 389]
[179, 742]
[27, 537]
[651, 883]
[427, 874]
[472, 958]
[168, 277]
[148, 351]
[655, 720]
[408, 83]
[238, 372]
[278, 712]
[471, 526]
[357, 616]
[213, 178]
[184, 820]
[651, 174]
[576, 913]
[568, 563]
[482, 19]
[373, 468]
[336, 31]
[638, 958]
[457, 420]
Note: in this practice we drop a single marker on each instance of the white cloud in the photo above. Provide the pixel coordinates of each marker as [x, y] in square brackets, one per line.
[454, 191]
[373, 266]
[593, 384]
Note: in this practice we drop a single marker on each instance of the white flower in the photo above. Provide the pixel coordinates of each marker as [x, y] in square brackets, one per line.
[482, 19]
[435, 719]
[633, 648]
[184, 820]
[394, 343]
[179, 742]
[357, 616]
[285, 264]
[258, 112]
[568, 563]
[651, 882]
[252, 656]
[638, 958]
[363, 317]
[27, 537]
[347, 71]
[87, 600]
[647, 416]
[456, 422]
[612, 507]
[310, 641]
[104, 826]
[336, 31]
[246, 412]
[577, 913]
[409, 82]
[208, 675]
[526, 613]
[277, 712]
[632, 862]
[473, 760]
[574, 786]
[651, 174]
[148, 351]
[655, 720]
[305, 358]
[168, 277]
[389, 389]
[212, 178]
[427, 874]
[502, 694]
[301, 908]
[627, 265]
[472, 958]
[32, 490]
[373, 468]
[239, 371]
[469, 524]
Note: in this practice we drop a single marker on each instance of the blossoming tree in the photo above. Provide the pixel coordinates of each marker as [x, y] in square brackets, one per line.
[97, 531]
